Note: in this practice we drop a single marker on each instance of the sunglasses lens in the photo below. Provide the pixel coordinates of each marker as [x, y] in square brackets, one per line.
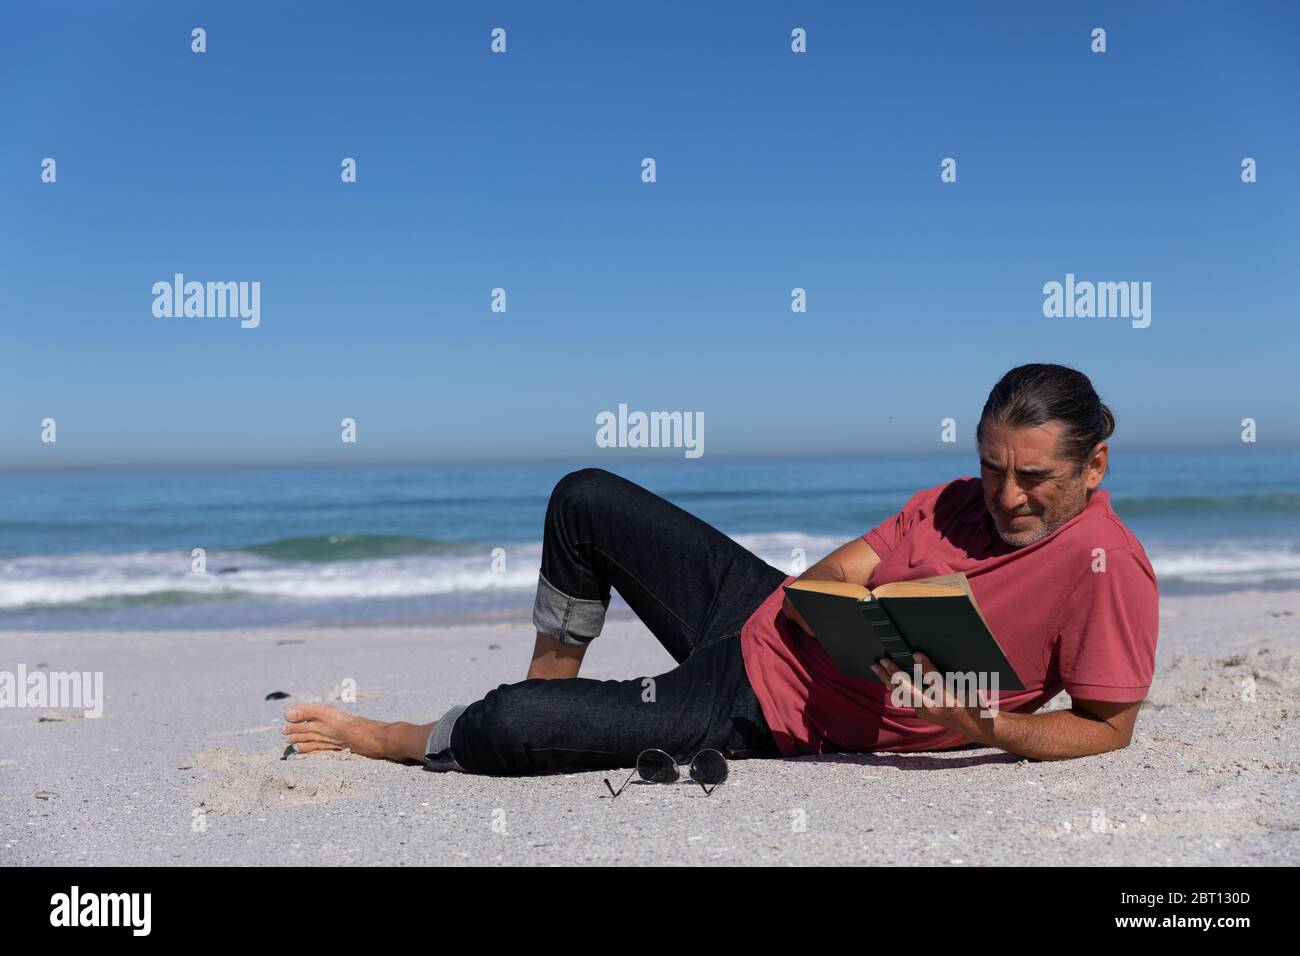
[656, 767]
[709, 768]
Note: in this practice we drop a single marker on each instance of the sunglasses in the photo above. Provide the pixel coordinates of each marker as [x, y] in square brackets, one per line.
[708, 769]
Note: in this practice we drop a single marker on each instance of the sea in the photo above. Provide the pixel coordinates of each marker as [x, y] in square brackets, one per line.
[403, 544]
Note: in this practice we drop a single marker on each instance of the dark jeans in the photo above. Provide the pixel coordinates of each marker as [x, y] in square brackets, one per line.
[690, 584]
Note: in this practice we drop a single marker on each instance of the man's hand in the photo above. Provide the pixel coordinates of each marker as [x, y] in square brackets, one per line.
[947, 711]
[1089, 727]
[852, 562]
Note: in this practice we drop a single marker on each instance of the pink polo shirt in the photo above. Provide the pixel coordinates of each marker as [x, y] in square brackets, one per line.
[1062, 624]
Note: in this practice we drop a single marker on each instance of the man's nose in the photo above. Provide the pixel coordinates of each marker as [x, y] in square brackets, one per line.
[1010, 497]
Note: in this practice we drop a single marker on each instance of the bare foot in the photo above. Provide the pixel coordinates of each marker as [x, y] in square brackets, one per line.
[314, 727]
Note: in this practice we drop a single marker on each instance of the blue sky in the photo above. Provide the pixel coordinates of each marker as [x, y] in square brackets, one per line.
[522, 171]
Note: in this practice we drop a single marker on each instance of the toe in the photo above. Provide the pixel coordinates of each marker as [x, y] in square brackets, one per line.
[308, 738]
[311, 712]
[308, 748]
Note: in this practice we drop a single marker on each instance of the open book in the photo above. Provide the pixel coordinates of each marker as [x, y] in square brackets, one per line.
[936, 616]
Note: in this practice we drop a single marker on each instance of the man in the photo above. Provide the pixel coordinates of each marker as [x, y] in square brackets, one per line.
[1063, 584]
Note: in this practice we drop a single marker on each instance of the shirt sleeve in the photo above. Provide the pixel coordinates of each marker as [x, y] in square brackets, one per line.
[888, 535]
[1107, 650]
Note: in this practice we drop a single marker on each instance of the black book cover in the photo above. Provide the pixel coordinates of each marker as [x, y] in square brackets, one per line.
[949, 630]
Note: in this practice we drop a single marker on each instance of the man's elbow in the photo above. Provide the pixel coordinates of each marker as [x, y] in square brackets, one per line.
[1093, 746]
[1109, 728]
[1116, 741]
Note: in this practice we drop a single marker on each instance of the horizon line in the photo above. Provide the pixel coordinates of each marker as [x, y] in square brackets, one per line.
[617, 455]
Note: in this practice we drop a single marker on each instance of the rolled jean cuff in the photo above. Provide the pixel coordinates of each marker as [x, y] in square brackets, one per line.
[437, 750]
[569, 620]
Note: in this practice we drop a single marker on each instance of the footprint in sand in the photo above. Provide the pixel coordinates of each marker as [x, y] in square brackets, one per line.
[228, 782]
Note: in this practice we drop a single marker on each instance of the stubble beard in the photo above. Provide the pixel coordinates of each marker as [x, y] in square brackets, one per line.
[1045, 524]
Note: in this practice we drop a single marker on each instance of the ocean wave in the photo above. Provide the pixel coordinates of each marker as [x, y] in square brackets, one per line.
[75, 580]
[324, 568]
[319, 569]
[350, 547]
[1227, 563]
[1272, 503]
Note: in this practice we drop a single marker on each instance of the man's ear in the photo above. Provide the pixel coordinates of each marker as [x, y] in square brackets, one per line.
[1095, 470]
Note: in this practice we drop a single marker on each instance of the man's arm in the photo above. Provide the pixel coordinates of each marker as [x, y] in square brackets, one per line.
[1088, 727]
[852, 563]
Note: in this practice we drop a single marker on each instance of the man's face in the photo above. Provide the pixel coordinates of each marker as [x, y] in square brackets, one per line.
[1028, 490]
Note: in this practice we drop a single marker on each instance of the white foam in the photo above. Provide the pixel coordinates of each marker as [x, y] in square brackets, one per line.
[71, 579]
[62, 580]
[1227, 563]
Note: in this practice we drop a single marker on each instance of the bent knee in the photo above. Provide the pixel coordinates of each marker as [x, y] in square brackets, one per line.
[584, 488]
[506, 717]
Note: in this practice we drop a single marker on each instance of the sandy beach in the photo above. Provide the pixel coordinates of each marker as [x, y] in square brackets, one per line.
[183, 766]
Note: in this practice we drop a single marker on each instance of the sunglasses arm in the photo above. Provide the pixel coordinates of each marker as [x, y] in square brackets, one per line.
[615, 793]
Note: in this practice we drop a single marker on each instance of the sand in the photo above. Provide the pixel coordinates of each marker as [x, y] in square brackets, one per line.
[183, 767]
